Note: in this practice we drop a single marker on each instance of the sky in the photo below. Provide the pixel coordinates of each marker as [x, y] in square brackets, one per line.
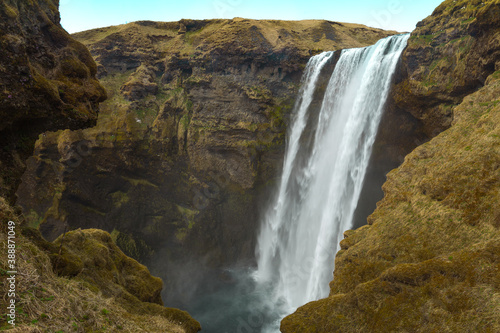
[400, 15]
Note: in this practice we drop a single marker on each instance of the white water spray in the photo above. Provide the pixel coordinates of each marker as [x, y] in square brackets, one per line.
[323, 173]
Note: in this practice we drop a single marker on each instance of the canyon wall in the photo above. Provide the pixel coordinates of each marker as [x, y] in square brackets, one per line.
[188, 144]
[191, 140]
[47, 82]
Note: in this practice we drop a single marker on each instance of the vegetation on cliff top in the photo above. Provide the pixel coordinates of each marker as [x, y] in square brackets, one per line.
[198, 39]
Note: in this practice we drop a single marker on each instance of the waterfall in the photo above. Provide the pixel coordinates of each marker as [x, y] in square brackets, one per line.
[323, 172]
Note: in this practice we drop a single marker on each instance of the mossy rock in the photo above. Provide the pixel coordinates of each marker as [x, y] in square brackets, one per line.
[106, 266]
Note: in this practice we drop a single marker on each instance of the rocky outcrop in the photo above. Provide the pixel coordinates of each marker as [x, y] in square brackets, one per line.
[449, 55]
[83, 282]
[429, 258]
[92, 261]
[188, 143]
[47, 82]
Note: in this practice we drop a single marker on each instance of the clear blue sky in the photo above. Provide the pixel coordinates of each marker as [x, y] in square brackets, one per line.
[401, 15]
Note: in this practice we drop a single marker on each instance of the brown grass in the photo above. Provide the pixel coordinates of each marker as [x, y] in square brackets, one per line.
[208, 35]
[46, 302]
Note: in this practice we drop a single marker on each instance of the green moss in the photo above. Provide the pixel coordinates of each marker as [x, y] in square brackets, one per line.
[47, 86]
[92, 210]
[33, 219]
[188, 214]
[192, 37]
[194, 80]
[73, 67]
[277, 114]
[114, 235]
[422, 40]
[54, 210]
[9, 11]
[258, 92]
[429, 83]
[135, 248]
[137, 182]
[490, 104]
[181, 234]
[119, 198]
[189, 105]
[184, 123]
[496, 75]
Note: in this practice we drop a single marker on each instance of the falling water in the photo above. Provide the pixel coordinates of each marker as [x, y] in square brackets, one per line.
[323, 173]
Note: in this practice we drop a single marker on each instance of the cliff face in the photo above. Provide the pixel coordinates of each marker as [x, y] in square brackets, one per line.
[429, 258]
[47, 82]
[449, 55]
[188, 143]
[83, 282]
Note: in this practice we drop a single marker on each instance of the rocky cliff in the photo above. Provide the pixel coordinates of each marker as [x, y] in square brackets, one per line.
[188, 143]
[429, 258]
[47, 82]
[82, 282]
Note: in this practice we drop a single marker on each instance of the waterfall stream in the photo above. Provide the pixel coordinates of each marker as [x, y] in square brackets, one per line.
[323, 173]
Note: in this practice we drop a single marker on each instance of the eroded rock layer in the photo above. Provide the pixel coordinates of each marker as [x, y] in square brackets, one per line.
[83, 282]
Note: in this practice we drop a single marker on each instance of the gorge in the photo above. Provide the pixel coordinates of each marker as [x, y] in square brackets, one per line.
[323, 172]
[207, 163]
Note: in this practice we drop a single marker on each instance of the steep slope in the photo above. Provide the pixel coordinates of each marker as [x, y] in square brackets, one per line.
[429, 260]
[187, 144]
[449, 55]
[83, 283]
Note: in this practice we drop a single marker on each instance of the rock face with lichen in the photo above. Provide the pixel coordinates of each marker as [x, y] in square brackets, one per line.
[429, 259]
[82, 282]
[188, 143]
[449, 55]
[47, 82]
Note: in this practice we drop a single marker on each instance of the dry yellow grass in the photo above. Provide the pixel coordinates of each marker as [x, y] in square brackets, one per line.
[205, 36]
[46, 302]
